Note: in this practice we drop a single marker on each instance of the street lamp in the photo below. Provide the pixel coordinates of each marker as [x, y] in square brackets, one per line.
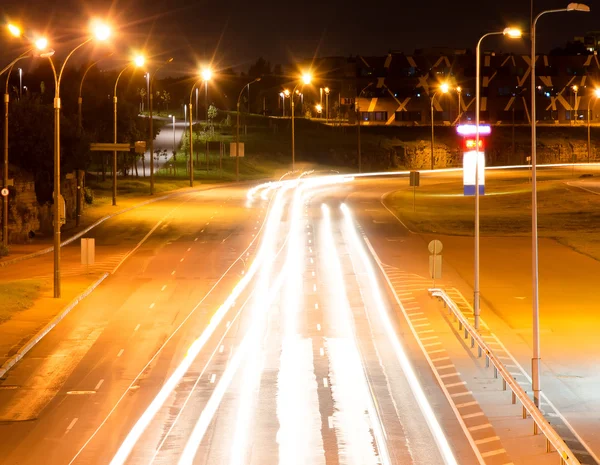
[237, 134]
[327, 90]
[138, 62]
[20, 83]
[15, 31]
[206, 76]
[443, 88]
[535, 360]
[285, 94]
[574, 88]
[358, 123]
[80, 99]
[173, 117]
[592, 98]
[458, 111]
[100, 32]
[305, 80]
[511, 33]
[150, 78]
[319, 109]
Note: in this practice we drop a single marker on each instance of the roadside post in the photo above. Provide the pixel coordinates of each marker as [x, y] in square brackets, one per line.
[415, 177]
[435, 260]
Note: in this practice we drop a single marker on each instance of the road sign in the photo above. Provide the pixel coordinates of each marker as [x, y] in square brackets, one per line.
[435, 259]
[435, 247]
[140, 146]
[415, 178]
[5, 192]
[232, 149]
[109, 147]
[88, 251]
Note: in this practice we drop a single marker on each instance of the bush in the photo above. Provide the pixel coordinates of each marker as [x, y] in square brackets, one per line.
[3, 251]
[88, 195]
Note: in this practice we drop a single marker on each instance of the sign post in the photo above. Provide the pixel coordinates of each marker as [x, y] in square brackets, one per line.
[88, 252]
[415, 182]
[435, 260]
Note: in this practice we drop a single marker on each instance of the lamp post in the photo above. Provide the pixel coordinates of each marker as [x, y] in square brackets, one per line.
[458, 110]
[358, 123]
[589, 118]
[101, 32]
[191, 140]
[327, 90]
[574, 88]
[237, 131]
[206, 76]
[319, 109]
[80, 98]
[444, 88]
[535, 360]
[151, 135]
[40, 44]
[513, 34]
[173, 118]
[306, 79]
[138, 61]
[20, 83]
[285, 94]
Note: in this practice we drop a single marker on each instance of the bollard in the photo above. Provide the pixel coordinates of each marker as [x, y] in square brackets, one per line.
[496, 375]
[514, 398]
[472, 342]
[466, 333]
[548, 445]
[479, 352]
[525, 413]
[460, 326]
[503, 384]
[487, 361]
[535, 428]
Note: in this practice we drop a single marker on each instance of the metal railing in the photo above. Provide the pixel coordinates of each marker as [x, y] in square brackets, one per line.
[539, 422]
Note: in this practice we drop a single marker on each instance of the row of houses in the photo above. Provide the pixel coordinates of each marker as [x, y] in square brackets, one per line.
[397, 89]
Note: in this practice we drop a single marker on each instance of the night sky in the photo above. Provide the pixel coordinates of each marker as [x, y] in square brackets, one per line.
[236, 32]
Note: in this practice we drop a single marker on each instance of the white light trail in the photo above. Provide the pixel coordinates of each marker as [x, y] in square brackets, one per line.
[349, 383]
[432, 422]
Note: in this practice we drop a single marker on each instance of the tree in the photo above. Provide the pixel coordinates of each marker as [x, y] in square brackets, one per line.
[260, 68]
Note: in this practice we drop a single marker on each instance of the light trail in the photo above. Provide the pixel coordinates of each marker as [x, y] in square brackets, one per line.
[349, 382]
[172, 382]
[382, 311]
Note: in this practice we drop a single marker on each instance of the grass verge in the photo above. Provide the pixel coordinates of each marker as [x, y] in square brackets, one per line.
[18, 296]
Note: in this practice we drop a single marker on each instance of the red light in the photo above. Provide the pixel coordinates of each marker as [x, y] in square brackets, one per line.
[470, 144]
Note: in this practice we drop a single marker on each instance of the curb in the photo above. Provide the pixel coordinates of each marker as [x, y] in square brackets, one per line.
[46, 329]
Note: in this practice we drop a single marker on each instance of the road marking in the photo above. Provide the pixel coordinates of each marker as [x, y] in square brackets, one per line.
[152, 305]
[428, 338]
[322, 351]
[196, 240]
[172, 272]
[213, 377]
[314, 288]
[310, 249]
[318, 326]
[228, 323]
[325, 382]
[137, 327]
[419, 319]
[120, 352]
[99, 384]
[461, 383]
[444, 367]
[431, 344]
[313, 273]
[466, 404]
[189, 248]
[480, 427]
[450, 375]
[221, 349]
[460, 394]
[425, 331]
[80, 393]
[310, 241]
[493, 452]
[316, 306]
[439, 359]
[202, 230]
[436, 351]
[330, 422]
[420, 325]
[473, 415]
[182, 259]
[311, 260]
[71, 425]
[163, 288]
[486, 440]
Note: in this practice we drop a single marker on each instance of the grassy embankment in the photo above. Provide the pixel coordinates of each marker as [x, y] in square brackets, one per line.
[18, 296]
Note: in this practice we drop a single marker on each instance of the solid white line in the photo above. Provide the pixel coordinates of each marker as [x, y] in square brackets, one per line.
[316, 306]
[99, 384]
[120, 352]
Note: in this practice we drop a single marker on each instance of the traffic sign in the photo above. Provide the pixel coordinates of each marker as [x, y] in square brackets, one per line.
[4, 192]
[435, 247]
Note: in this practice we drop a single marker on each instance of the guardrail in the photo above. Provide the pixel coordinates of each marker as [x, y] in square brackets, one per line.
[539, 422]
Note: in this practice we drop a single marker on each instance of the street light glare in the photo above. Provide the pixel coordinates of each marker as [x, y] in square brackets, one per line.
[326, 90]
[286, 92]
[319, 108]
[575, 88]
[597, 93]
[444, 88]
[41, 43]
[139, 61]
[578, 7]
[14, 30]
[513, 33]
[206, 74]
[306, 78]
[101, 31]
[459, 89]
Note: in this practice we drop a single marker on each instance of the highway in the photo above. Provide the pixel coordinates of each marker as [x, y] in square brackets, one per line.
[251, 327]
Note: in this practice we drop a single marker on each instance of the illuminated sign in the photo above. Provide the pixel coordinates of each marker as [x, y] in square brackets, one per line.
[470, 159]
[469, 144]
[471, 129]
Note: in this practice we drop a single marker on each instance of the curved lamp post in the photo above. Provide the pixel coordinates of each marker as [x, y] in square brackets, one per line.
[138, 62]
[191, 166]
[358, 123]
[535, 360]
[306, 79]
[443, 88]
[593, 98]
[101, 32]
[40, 45]
[80, 98]
[206, 76]
[151, 135]
[237, 134]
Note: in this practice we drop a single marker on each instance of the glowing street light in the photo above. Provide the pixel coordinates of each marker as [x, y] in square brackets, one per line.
[319, 108]
[305, 80]
[138, 61]
[206, 77]
[593, 98]
[14, 30]
[100, 32]
[458, 111]
[511, 33]
[327, 90]
[237, 134]
[535, 360]
[443, 88]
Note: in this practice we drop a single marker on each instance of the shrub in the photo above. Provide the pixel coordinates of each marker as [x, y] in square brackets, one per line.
[3, 251]
[88, 195]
